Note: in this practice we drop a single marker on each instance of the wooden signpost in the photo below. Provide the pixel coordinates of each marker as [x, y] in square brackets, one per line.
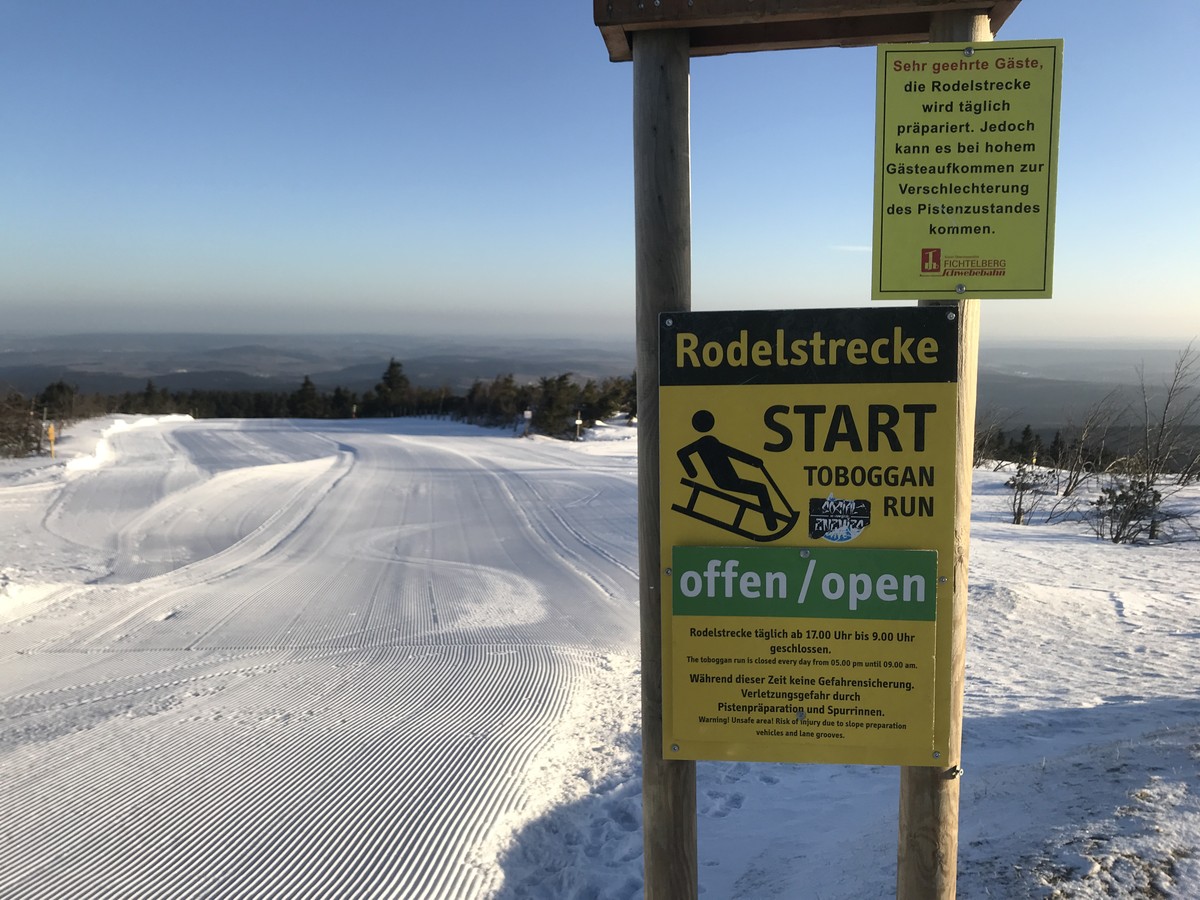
[660, 36]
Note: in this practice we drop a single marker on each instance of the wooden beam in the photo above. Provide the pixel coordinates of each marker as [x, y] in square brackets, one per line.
[701, 13]
[732, 26]
[849, 31]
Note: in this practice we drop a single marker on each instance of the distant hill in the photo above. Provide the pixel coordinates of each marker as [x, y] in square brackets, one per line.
[1051, 385]
[1080, 362]
[112, 363]
[1045, 404]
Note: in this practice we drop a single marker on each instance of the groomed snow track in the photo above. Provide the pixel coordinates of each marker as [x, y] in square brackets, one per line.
[327, 662]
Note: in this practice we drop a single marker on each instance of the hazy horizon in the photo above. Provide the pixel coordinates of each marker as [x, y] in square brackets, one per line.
[28, 361]
[617, 335]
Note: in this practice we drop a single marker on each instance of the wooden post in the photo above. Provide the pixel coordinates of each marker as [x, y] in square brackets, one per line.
[927, 867]
[662, 222]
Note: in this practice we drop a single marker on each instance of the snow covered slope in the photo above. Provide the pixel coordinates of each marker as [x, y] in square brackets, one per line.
[399, 659]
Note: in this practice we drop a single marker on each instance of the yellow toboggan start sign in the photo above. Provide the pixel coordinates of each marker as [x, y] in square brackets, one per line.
[807, 509]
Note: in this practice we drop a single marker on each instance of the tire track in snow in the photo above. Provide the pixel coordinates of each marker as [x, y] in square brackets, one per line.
[582, 565]
[588, 543]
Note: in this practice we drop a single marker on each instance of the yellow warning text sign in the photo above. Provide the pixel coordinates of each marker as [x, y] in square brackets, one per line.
[966, 160]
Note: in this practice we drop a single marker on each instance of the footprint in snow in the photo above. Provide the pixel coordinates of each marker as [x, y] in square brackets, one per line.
[720, 804]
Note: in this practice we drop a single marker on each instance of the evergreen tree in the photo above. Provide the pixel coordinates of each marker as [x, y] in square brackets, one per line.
[558, 399]
[591, 403]
[1025, 449]
[504, 401]
[20, 429]
[342, 404]
[305, 402]
[58, 401]
[1057, 453]
[391, 394]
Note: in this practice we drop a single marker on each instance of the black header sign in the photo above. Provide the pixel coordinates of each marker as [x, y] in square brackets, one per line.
[813, 346]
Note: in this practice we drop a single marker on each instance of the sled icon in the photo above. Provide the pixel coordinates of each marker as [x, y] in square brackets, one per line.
[734, 492]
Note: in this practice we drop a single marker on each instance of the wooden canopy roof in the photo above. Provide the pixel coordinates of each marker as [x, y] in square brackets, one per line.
[736, 26]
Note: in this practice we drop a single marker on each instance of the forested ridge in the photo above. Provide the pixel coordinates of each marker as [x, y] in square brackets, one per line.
[554, 403]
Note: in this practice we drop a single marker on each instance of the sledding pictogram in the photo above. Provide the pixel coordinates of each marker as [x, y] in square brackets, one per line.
[731, 488]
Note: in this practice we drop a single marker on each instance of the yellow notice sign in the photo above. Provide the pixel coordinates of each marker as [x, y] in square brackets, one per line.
[807, 502]
[966, 160]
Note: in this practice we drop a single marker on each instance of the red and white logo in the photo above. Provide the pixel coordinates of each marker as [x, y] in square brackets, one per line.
[931, 261]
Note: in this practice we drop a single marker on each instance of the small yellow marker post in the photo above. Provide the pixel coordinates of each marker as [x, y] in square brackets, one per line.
[50, 437]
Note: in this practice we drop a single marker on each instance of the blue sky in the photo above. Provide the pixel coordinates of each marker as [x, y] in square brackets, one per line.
[388, 167]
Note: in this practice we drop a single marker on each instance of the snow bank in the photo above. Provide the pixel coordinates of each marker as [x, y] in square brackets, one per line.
[102, 453]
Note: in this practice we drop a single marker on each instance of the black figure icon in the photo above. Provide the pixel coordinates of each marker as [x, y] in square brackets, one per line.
[722, 496]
